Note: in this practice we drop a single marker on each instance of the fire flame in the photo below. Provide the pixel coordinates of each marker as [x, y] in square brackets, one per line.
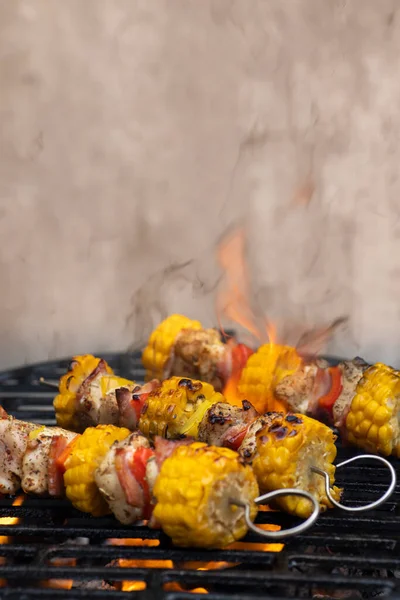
[233, 303]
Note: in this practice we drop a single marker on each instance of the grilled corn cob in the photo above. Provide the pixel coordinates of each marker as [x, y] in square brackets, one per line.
[86, 394]
[264, 369]
[157, 352]
[372, 422]
[177, 407]
[194, 493]
[80, 467]
[286, 448]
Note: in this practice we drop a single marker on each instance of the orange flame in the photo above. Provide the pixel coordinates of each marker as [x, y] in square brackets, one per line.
[233, 302]
[232, 299]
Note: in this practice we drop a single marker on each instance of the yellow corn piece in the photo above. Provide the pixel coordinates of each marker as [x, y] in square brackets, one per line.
[194, 491]
[65, 402]
[263, 371]
[80, 466]
[158, 349]
[286, 449]
[372, 422]
[177, 407]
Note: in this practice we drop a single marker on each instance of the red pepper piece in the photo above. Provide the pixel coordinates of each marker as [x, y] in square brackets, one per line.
[328, 400]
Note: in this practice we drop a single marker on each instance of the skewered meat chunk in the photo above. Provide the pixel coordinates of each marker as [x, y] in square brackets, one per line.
[35, 463]
[195, 494]
[128, 498]
[198, 354]
[223, 424]
[14, 436]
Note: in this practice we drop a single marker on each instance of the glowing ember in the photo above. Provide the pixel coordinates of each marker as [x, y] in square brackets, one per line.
[175, 587]
[133, 542]
[4, 539]
[10, 520]
[133, 586]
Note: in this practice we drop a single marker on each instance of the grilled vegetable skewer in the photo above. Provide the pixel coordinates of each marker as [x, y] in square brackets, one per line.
[107, 468]
[362, 401]
[87, 395]
[182, 347]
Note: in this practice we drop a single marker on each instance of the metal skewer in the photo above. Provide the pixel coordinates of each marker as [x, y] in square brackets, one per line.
[372, 505]
[266, 498]
[48, 383]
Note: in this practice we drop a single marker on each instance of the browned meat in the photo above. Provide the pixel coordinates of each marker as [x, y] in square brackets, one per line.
[198, 354]
[222, 422]
[36, 459]
[248, 447]
[117, 482]
[352, 372]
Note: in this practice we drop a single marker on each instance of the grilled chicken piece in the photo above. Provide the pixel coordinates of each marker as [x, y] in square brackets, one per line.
[303, 390]
[223, 424]
[13, 442]
[248, 447]
[127, 493]
[198, 354]
[352, 373]
[35, 462]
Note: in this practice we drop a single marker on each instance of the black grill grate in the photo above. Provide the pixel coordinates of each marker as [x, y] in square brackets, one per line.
[344, 556]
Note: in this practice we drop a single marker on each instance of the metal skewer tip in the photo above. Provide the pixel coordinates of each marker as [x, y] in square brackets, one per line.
[285, 533]
[370, 506]
[48, 383]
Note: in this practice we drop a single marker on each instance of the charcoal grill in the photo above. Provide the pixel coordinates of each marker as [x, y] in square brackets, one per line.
[344, 555]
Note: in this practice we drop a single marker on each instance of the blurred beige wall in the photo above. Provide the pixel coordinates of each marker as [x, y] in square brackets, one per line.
[133, 132]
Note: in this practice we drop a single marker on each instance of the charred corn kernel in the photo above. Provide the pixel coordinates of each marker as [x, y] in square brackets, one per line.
[263, 371]
[177, 407]
[81, 464]
[65, 402]
[372, 422]
[194, 491]
[160, 344]
[286, 449]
